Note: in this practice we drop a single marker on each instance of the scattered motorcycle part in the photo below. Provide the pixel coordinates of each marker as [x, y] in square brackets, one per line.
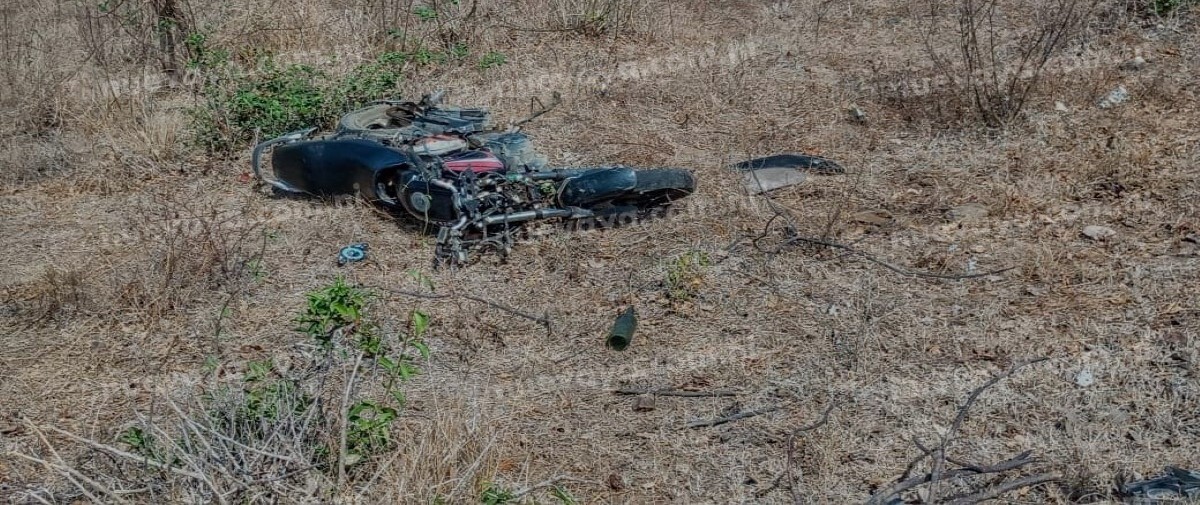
[622, 330]
[814, 164]
[352, 253]
[1177, 484]
[763, 180]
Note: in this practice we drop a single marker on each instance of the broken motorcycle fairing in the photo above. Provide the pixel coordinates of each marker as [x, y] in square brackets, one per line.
[445, 167]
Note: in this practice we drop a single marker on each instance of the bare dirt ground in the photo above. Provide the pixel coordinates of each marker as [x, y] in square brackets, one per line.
[105, 306]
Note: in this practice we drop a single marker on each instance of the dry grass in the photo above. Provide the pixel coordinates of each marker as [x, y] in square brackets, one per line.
[130, 261]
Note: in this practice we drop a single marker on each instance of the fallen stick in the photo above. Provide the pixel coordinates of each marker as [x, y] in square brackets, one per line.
[128, 455]
[791, 449]
[675, 392]
[543, 320]
[939, 455]
[1011, 485]
[1012, 463]
[729, 419]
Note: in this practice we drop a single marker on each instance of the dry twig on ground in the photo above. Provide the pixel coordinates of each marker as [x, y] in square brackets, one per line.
[939, 473]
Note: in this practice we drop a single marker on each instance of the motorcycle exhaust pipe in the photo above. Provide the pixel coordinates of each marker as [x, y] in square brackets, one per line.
[558, 174]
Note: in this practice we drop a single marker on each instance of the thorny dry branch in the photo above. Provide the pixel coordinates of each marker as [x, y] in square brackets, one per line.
[791, 449]
[938, 473]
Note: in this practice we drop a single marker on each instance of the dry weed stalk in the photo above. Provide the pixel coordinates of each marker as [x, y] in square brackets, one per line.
[282, 442]
[189, 248]
[993, 69]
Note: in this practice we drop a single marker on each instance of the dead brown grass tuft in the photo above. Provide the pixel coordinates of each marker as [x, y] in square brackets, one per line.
[185, 249]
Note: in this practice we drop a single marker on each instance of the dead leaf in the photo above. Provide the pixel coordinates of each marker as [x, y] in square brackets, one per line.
[615, 482]
[876, 217]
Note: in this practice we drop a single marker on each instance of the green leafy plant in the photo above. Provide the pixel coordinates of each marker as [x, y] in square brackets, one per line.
[426, 56]
[238, 106]
[685, 274]
[425, 12]
[338, 306]
[201, 54]
[460, 50]
[139, 441]
[369, 430]
[277, 100]
[266, 397]
[367, 82]
[1166, 7]
[563, 495]
[401, 366]
[492, 59]
[495, 495]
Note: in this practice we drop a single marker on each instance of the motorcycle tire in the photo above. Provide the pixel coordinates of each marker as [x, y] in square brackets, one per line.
[658, 186]
[370, 122]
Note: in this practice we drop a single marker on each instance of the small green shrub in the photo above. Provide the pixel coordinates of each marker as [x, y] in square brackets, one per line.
[685, 274]
[277, 100]
[238, 106]
[425, 13]
[343, 309]
[338, 306]
[367, 82]
[279, 430]
[460, 50]
[495, 495]
[1166, 7]
[491, 60]
[266, 397]
[369, 430]
[202, 55]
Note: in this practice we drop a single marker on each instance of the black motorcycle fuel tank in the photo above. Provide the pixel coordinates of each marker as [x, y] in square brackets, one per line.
[335, 166]
[595, 186]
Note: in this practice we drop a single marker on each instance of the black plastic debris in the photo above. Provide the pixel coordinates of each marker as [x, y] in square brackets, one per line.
[1176, 484]
[768, 173]
[622, 330]
[352, 253]
[814, 164]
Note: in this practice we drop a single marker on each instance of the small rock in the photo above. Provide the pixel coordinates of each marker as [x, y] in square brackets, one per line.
[1095, 232]
[1085, 378]
[1134, 64]
[1117, 96]
[857, 114]
[968, 212]
[644, 403]
[1061, 107]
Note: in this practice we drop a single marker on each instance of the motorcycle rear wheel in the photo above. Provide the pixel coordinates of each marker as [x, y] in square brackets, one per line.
[371, 122]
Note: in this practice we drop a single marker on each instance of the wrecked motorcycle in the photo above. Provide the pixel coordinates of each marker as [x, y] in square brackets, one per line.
[450, 167]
